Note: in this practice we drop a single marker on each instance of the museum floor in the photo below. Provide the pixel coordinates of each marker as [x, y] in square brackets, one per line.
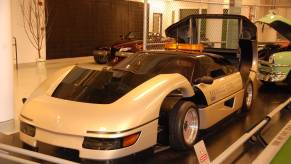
[28, 76]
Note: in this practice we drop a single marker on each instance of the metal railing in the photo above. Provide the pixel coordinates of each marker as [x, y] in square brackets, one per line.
[36, 155]
[255, 131]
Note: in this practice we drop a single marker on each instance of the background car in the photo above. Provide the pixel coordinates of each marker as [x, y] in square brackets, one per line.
[130, 43]
[274, 58]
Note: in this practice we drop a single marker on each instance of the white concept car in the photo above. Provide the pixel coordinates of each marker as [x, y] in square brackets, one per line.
[111, 113]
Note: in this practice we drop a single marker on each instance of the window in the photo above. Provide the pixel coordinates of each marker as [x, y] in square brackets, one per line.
[213, 67]
[184, 67]
[173, 17]
[203, 24]
[157, 23]
[224, 30]
[186, 12]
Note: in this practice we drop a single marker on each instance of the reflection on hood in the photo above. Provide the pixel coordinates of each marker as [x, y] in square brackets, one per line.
[100, 87]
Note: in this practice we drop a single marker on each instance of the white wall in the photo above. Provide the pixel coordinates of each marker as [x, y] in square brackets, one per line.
[6, 70]
[167, 7]
[26, 52]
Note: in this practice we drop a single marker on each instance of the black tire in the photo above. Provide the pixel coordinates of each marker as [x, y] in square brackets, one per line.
[247, 100]
[28, 147]
[267, 83]
[101, 59]
[177, 125]
[289, 81]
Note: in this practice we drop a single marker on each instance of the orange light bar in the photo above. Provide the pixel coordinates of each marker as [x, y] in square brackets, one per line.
[189, 47]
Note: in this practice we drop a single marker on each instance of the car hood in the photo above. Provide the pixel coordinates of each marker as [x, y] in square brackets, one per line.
[279, 23]
[138, 107]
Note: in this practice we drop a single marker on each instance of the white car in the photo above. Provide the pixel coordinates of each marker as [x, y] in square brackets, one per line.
[111, 113]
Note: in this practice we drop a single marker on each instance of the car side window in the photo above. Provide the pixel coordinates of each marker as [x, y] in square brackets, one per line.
[215, 68]
[217, 73]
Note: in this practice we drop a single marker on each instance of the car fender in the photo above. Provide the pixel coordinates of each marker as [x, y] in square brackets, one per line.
[150, 95]
[221, 87]
[48, 86]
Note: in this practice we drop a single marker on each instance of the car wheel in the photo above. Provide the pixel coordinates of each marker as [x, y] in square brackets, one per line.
[101, 59]
[267, 83]
[248, 96]
[289, 81]
[183, 125]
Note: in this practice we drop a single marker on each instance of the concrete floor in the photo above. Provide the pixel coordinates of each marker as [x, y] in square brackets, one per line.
[217, 139]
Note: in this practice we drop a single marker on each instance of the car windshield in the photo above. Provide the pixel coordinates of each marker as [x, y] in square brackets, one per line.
[140, 63]
[99, 87]
[154, 63]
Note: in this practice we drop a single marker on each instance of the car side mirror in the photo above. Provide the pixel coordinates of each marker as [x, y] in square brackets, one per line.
[204, 79]
[24, 100]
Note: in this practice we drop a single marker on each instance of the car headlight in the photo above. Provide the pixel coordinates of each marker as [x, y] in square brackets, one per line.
[271, 59]
[125, 49]
[27, 129]
[109, 143]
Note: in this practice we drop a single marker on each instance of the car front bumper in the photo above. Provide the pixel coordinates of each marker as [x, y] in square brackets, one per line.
[147, 139]
[271, 73]
[272, 77]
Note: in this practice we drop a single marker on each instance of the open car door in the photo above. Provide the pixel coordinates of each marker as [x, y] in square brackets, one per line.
[231, 36]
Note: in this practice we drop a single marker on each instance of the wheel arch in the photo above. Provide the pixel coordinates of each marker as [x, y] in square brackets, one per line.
[168, 104]
[288, 74]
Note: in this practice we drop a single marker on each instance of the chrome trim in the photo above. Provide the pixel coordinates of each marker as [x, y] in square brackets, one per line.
[272, 73]
[123, 131]
[272, 76]
[249, 95]
[280, 65]
[190, 126]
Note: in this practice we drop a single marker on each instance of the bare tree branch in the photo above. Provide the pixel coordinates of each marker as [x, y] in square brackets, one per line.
[35, 21]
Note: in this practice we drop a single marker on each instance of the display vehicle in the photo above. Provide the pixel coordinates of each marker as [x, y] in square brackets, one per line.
[274, 58]
[128, 45]
[148, 98]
